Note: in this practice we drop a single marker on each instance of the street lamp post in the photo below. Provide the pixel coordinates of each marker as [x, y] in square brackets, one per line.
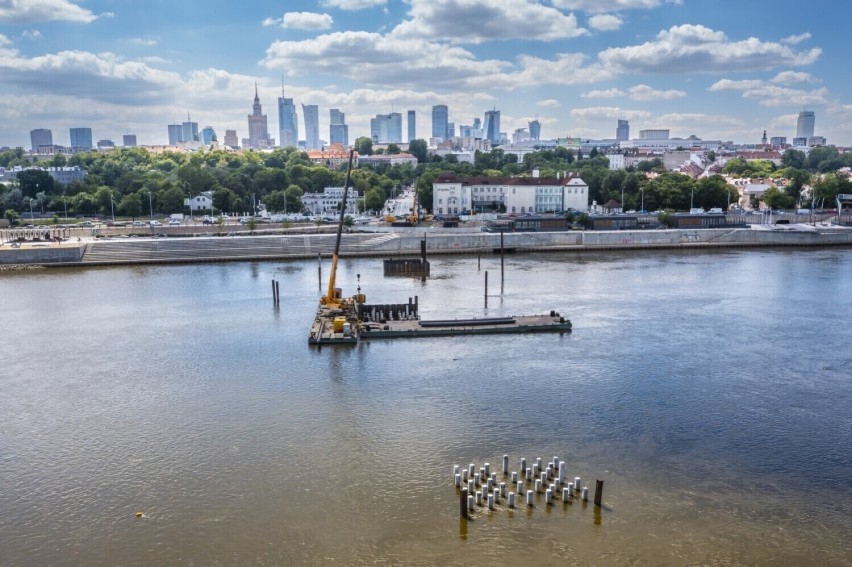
[64, 204]
[642, 210]
[112, 207]
[31, 209]
[150, 206]
[691, 199]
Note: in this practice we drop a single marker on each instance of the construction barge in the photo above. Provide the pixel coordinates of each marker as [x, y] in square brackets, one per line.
[343, 321]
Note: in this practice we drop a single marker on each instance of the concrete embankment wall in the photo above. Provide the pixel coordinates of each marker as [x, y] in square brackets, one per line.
[41, 255]
[280, 247]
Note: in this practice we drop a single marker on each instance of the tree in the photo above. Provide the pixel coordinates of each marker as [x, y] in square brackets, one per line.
[392, 149]
[794, 159]
[31, 181]
[171, 200]
[364, 146]
[103, 200]
[775, 198]
[419, 149]
[374, 200]
[131, 205]
[293, 194]
[12, 216]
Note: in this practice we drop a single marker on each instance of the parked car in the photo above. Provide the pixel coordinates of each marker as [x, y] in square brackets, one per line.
[174, 222]
[155, 223]
[138, 223]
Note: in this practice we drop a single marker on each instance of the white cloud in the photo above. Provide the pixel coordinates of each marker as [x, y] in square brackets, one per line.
[697, 49]
[306, 21]
[105, 76]
[769, 94]
[29, 11]
[699, 121]
[607, 93]
[597, 6]
[549, 103]
[143, 41]
[566, 69]
[792, 78]
[605, 22]
[372, 58]
[731, 85]
[644, 92]
[796, 39]
[31, 34]
[608, 113]
[353, 4]
[508, 19]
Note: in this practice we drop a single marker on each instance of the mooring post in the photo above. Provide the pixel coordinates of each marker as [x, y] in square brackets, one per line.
[319, 270]
[479, 262]
[274, 299]
[598, 492]
[463, 502]
[486, 288]
[501, 261]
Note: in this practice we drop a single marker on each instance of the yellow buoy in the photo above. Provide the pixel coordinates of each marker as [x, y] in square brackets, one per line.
[139, 514]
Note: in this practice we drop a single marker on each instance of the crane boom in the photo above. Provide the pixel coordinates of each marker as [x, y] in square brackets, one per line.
[330, 296]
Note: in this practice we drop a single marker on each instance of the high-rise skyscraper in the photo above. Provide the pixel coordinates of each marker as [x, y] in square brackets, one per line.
[231, 139]
[81, 139]
[622, 131]
[805, 124]
[535, 130]
[412, 126]
[175, 134]
[440, 118]
[128, 140]
[208, 135]
[386, 128]
[41, 137]
[310, 112]
[258, 126]
[492, 126]
[189, 130]
[338, 130]
[288, 124]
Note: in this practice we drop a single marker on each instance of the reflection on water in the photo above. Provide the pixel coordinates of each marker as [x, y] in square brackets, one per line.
[709, 390]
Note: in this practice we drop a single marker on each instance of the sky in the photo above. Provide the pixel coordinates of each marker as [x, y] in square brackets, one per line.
[720, 70]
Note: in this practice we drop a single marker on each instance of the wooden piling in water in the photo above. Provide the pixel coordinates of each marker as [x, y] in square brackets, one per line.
[598, 492]
[501, 261]
[319, 270]
[486, 288]
[463, 502]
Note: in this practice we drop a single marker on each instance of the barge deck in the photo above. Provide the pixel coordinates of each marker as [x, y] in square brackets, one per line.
[552, 323]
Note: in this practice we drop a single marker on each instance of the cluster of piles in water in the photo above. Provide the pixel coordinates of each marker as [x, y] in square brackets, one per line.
[478, 488]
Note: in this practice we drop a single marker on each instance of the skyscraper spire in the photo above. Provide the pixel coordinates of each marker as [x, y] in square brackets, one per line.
[256, 98]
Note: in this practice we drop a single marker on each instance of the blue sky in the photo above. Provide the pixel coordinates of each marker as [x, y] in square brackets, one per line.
[717, 69]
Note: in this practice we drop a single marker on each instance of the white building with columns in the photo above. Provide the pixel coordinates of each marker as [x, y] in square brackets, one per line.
[453, 195]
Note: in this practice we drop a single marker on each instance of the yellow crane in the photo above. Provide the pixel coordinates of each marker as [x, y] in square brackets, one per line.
[333, 299]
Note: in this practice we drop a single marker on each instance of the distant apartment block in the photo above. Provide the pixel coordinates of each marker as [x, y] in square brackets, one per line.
[208, 135]
[231, 139]
[40, 137]
[653, 134]
[334, 156]
[128, 140]
[63, 175]
[389, 159]
[81, 139]
[175, 134]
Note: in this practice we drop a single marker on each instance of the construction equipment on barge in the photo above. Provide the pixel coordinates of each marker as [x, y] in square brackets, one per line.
[336, 321]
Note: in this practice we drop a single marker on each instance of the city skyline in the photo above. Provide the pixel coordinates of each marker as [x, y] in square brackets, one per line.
[727, 71]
